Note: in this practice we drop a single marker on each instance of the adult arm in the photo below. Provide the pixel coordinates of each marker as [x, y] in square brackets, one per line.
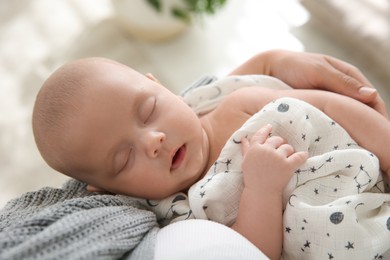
[314, 71]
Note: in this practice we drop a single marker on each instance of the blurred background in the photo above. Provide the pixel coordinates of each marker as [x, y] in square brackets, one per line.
[38, 36]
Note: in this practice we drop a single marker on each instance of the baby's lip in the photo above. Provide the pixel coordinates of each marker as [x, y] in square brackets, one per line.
[178, 157]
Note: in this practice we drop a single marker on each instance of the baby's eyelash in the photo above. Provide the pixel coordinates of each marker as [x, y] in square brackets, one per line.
[152, 110]
[128, 158]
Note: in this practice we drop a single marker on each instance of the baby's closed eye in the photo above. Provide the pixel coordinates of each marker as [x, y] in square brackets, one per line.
[148, 109]
[121, 160]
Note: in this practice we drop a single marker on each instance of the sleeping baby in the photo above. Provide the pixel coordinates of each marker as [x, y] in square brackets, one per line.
[300, 168]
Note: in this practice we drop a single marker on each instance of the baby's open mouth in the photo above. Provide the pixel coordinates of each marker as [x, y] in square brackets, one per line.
[178, 157]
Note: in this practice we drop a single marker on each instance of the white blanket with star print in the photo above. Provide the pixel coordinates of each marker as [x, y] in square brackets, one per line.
[335, 205]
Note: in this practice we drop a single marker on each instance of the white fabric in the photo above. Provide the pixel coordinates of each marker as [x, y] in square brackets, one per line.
[202, 239]
[206, 98]
[335, 205]
[332, 208]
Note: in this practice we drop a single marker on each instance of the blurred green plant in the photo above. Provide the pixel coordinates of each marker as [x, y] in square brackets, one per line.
[190, 8]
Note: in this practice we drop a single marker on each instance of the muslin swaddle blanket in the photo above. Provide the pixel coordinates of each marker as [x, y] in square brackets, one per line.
[335, 204]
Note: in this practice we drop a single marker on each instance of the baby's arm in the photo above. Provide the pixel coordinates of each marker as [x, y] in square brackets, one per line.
[268, 165]
[367, 127]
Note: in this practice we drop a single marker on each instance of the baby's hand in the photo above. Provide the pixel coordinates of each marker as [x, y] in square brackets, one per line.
[269, 162]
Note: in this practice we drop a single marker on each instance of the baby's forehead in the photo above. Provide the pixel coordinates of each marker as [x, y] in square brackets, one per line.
[85, 78]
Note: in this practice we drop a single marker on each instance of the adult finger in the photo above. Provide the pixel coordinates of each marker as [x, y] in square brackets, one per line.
[349, 70]
[347, 80]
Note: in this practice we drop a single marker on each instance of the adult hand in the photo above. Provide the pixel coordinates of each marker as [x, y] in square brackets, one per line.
[315, 71]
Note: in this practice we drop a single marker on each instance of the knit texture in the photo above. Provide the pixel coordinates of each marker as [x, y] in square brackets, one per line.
[72, 223]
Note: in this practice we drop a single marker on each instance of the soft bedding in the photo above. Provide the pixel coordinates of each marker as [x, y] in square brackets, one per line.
[206, 240]
[71, 223]
[335, 205]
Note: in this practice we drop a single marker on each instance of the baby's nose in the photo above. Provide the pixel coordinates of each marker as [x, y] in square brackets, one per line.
[154, 142]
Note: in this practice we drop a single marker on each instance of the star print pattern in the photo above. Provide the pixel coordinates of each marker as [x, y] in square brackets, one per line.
[349, 245]
[329, 173]
[332, 199]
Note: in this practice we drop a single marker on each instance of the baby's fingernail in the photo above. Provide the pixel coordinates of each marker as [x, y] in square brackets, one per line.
[366, 91]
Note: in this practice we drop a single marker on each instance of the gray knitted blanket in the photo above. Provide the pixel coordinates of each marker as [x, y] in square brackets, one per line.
[71, 223]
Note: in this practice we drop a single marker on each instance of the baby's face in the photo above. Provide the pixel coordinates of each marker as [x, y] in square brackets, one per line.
[134, 137]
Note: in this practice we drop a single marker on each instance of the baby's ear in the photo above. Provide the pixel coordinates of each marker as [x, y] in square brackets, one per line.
[150, 76]
[92, 188]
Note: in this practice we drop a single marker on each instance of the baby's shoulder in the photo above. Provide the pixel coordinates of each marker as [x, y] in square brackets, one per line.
[248, 99]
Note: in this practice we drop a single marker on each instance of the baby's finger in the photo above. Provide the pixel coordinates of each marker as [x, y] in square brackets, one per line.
[244, 145]
[262, 134]
[286, 150]
[298, 158]
[275, 141]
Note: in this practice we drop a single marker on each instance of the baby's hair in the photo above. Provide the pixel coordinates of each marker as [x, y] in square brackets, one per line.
[57, 102]
[54, 104]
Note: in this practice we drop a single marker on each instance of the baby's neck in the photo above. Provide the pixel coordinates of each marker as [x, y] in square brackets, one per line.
[219, 125]
[209, 151]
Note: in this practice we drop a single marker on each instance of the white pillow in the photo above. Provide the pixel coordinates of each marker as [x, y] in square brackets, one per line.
[202, 239]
